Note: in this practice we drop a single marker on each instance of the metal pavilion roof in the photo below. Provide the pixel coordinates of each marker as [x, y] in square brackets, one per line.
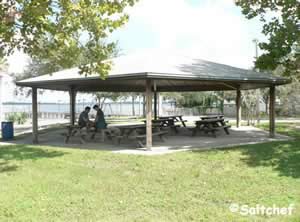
[169, 73]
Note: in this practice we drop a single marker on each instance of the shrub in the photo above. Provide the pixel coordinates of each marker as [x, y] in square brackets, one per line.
[12, 117]
[19, 118]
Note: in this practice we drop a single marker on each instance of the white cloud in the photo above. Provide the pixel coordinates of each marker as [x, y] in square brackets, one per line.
[209, 29]
[17, 62]
[212, 29]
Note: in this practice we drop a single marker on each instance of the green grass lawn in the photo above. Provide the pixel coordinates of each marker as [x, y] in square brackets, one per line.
[40, 183]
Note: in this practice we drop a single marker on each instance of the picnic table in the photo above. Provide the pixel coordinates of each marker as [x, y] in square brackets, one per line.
[164, 123]
[210, 126]
[170, 120]
[212, 117]
[75, 131]
[127, 130]
[138, 133]
[84, 132]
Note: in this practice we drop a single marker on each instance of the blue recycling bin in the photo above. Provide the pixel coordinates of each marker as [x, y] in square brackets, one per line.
[7, 130]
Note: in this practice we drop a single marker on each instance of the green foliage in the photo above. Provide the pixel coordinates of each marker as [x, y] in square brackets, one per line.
[202, 101]
[60, 31]
[283, 31]
[3, 64]
[37, 67]
[188, 99]
[11, 117]
[19, 118]
[288, 99]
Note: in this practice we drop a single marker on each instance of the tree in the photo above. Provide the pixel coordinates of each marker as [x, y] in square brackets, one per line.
[101, 97]
[201, 100]
[249, 103]
[62, 30]
[133, 96]
[3, 65]
[36, 67]
[282, 30]
[288, 102]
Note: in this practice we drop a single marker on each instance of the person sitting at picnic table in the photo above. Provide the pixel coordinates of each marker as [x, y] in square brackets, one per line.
[100, 122]
[84, 120]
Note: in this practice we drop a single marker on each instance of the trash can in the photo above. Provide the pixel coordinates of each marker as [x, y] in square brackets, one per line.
[7, 130]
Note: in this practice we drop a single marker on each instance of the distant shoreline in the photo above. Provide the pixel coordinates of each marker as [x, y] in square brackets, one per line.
[47, 103]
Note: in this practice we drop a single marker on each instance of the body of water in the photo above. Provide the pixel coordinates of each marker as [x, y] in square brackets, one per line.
[124, 108]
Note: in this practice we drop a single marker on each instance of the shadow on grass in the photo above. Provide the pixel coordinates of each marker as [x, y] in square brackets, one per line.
[6, 167]
[11, 153]
[283, 157]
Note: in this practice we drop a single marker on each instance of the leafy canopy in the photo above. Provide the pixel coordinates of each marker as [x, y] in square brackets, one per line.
[282, 30]
[60, 31]
[194, 99]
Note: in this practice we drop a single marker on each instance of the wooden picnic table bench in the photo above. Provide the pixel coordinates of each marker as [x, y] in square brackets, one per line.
[126, 130]
[85, 132]
[75, 131]
[141, 139]
[165, 123]
[212, 117]
[211, 126]
[133, 132]
[175, 118]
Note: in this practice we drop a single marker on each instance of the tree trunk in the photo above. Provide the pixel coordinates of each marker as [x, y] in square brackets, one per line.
[258, 106]
[144, 106]
[133, 108]
[98, 100]
[267, 105]
[102, 103]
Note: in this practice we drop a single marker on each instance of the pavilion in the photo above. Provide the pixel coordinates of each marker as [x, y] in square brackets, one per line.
[154, 73]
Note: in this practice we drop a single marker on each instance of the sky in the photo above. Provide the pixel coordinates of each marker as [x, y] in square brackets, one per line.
[214, 30]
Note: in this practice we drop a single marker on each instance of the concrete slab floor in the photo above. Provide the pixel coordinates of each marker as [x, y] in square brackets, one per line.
[174, 142]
